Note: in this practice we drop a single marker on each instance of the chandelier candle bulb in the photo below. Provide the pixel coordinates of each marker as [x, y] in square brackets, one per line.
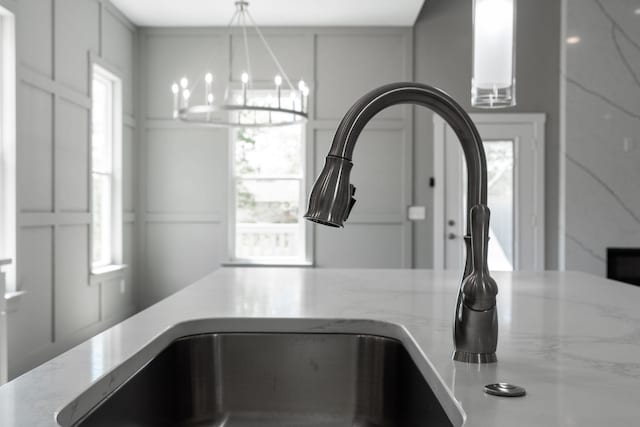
[186, 94]
[278, 82]
[208, 80]
[175, 89]
[245, 80]
[269, 103]
[305, 96]
[184, 83]
[209, 102]
[301, 86]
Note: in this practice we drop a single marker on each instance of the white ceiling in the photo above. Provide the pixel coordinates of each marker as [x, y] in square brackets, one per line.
[162, 13]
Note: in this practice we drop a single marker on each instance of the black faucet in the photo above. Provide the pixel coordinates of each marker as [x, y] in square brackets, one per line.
[475, 328]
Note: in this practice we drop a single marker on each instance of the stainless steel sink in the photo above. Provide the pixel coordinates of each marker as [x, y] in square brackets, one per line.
[274, 379]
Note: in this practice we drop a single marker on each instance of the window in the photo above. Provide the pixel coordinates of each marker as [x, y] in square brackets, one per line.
[8, 150]
[268, 194]
[500, 177]
[106, 170]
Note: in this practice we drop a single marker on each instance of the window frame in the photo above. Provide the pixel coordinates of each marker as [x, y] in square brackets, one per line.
[102, 71]
[8, 107]
[304, 258]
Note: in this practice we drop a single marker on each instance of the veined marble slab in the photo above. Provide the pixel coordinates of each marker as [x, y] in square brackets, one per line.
[573, 340]
[602, 129]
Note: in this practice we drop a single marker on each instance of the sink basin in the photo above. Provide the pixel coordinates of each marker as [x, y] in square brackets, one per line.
[274, 379]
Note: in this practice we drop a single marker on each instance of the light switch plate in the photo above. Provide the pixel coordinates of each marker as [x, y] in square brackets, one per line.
[417, 213]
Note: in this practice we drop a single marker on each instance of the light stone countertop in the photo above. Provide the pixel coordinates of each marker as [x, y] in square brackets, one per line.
[571, 339]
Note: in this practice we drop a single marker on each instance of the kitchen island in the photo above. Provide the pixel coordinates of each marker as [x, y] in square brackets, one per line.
[571, 339]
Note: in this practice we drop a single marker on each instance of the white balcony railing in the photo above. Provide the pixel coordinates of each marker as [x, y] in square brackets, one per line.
[268, 240]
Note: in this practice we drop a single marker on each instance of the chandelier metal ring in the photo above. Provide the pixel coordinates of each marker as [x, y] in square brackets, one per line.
[203, 115]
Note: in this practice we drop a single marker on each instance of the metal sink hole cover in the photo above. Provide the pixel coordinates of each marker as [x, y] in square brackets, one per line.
[505, 390]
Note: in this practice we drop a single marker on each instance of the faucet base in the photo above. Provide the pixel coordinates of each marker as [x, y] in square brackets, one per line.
[480, 358]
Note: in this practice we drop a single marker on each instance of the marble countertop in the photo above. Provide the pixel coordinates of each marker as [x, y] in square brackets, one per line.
[571, 339]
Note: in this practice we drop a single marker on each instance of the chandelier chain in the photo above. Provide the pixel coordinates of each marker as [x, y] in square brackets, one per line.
[243, 14]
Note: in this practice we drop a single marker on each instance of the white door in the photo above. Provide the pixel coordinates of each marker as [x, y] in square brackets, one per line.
[3, 332]
[514, 145]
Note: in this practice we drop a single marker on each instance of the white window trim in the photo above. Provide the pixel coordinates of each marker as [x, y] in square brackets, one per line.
[8, 225]
[99, 273]
[233, 261]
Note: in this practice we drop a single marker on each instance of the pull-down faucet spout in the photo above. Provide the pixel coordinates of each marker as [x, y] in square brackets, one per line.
[332, 197]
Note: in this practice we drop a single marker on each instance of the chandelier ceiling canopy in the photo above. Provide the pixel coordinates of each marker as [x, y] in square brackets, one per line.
[242, 105]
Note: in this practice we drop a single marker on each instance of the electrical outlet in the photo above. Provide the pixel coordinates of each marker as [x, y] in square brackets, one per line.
[417, 213]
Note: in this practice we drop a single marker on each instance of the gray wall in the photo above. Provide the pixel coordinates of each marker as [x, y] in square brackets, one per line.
[185, 170]
[60, 308]
[602, 130]
[178, 232]
[442, 46]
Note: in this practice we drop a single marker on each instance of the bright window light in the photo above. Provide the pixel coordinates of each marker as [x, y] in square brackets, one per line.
[8, 149]
[269, 194]
[106, 173]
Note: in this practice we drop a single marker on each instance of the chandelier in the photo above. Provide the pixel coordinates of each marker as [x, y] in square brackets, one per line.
[243, 104]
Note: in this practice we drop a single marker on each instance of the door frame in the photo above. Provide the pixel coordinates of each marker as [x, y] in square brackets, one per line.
[537, 122]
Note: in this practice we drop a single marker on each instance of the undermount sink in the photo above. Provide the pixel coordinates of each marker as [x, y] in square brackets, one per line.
[274, 379]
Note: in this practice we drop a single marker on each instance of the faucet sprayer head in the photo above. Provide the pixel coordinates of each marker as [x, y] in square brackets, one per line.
[332, 195]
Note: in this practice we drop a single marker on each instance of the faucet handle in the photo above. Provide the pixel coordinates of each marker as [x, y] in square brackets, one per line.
[475, 328]
[480, 215]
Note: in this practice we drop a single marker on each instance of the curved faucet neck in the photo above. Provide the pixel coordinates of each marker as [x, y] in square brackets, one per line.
[436, 100]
